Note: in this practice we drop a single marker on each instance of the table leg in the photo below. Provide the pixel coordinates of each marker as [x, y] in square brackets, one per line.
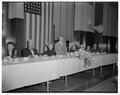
[65, 81]
[101, 69]
[93, 72]
[113, 68]
[47, 86]
[87, 83]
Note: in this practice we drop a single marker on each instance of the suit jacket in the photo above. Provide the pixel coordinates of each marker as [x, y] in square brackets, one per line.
[49, 52]
[14, 53]
[95, 50]
[26, 52]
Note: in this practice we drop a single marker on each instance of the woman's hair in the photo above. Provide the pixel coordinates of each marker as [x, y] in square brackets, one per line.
[11, 43]
[60, 36]
[49, 44]
[28, 44]
[75, 46]
[87, 47]
[71, 48]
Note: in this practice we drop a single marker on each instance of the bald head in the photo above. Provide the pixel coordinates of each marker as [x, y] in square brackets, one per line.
[61, 39]
[30, 44]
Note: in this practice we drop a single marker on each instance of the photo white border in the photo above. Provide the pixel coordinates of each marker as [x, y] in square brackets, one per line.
[57, 1]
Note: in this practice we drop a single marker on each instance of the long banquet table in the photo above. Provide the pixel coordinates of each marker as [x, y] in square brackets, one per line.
[45, 69]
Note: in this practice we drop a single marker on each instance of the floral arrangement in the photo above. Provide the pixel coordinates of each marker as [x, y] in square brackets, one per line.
[85, 56]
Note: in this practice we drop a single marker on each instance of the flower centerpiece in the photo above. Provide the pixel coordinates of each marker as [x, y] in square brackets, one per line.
[85, 56]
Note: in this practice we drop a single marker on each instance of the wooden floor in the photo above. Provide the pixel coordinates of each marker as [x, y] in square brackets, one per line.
[78, 83]
[109, 85]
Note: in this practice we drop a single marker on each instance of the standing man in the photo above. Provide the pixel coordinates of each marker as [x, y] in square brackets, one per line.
[60, 46]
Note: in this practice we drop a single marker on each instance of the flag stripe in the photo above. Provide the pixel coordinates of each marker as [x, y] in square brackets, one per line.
[46, 33]
[24, 34]
[52, 26]
[35, 36]
[50, 21]
[33, 27]
[39, 40]
[42, 27]
[30, 27]
[37, 31]
[44, 42]
[27, 25]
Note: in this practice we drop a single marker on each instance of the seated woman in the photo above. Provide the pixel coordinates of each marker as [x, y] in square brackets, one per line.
[88, 49]
[73, 48]
[95, 48]
[77, 45]
[50, 50]
[11, 50]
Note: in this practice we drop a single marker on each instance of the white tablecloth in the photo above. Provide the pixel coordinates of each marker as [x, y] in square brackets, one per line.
[20, 75]
[105, 59]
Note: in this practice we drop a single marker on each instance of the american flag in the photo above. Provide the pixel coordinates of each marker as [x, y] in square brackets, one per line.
[33, 7]
[32, 12]
[38, 23]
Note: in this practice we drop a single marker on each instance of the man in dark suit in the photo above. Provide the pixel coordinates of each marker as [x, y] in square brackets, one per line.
[30, 50]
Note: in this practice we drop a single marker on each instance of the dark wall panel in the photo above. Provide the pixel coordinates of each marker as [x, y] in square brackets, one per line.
[98, 13]
[113, 42]
[105, 41]
[90, 38]
[79, 36]
[17, 31]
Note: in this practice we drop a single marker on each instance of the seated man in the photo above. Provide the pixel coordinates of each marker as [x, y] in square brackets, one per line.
[30, 50]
